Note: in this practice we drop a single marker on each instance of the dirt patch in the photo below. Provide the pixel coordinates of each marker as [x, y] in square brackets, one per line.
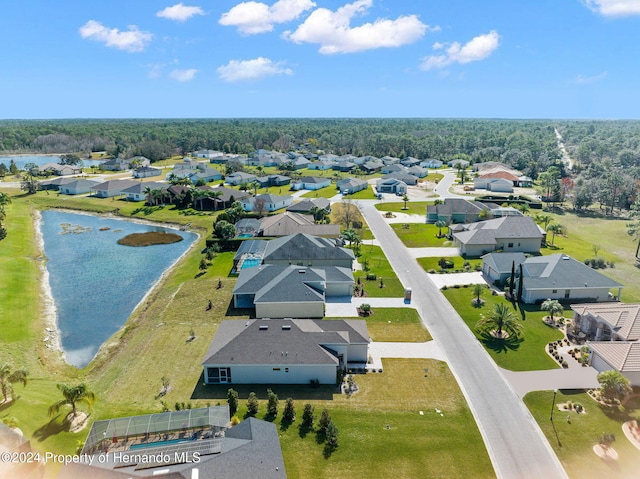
[150, 238]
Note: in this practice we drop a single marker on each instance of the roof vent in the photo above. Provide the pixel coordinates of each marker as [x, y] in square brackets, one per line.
[286, 327]
[264, 327]
[565, 257]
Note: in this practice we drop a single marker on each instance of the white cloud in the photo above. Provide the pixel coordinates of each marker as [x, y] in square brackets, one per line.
[333, 31]
[478, 48]
[132, 40]
[179, 12]
[257, 17]
[614, 8]
[183, 75]
[587, 80]
[242, 70]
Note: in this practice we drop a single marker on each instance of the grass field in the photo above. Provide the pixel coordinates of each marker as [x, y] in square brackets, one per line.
[574, 440]
[326, 192]
[396, 325]
[419, 235]
[429, 264]
[378, 265]
[413, 208]
[524, 354]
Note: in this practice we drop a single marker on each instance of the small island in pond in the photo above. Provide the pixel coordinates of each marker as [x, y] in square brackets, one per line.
[149, 238]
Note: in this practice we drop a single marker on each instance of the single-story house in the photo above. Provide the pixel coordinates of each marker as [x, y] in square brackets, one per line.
[240, 178]
[284, 351]
[390, 160]
[58, 169]
[561, 277]
[431, 163]
[349, 186]
[268, 202]
[524, 181]
[485, 166]
[418, 171]
[205, 174]
[499, 185]
[79, 186]
[391, 185]
[115, 164]
[497, 266]
[146, 172]
[310, 183]
[287, 223]
[344, 166]
[455, 210]
[509, 234]
[227, 197]
[55, 183]
[410, 161]
[273, 180]
[371, 167]
[308, 204]
[133, 447]
[458, 163]
[306, 249]
[112, 188]
[321, 165]
[208, 154]
[137, 191]
[408, 179]
[300, 162]
[251, 251]
[246, 227]
[622, 356]
[393, 168]
[290, 291]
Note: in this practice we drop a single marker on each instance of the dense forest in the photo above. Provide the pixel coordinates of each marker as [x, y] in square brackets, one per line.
[527, 145]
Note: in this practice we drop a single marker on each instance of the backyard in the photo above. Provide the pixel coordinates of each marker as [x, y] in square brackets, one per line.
[420, 235]
[396, 325]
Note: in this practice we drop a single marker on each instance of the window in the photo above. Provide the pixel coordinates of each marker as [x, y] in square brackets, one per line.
[510, 245]
[276, 369]
[554, 291]
[286, 370]
[218, 375]
[567, 293]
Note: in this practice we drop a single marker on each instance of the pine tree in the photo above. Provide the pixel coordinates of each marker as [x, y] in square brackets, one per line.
[325, 419]
[252, 404]
[308, 416]
[289, 413]
[232, 400]
[272, 405]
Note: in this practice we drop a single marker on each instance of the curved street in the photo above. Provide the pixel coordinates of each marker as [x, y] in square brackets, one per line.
[517, 447]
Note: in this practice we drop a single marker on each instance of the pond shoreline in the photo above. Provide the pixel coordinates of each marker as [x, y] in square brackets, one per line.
[48, 304]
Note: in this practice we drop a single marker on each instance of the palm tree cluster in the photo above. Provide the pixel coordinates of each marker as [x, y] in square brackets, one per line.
[501, 322]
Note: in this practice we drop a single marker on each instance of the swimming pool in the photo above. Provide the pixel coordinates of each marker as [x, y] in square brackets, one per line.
[157, 443]
[250, 263]
[245, 235]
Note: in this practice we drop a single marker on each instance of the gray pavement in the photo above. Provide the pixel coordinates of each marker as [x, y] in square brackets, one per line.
[453, 279]
[442, 188]
[434, 252]
[517, 447]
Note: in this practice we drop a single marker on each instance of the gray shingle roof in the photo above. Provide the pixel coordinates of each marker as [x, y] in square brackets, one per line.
[507, 227]
[304, 247]
[502, 262]
[266, 341]
[456, 205]
[563, 272]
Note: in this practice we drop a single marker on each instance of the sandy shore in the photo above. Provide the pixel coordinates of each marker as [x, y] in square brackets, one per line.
[50, 313]
[49, 310]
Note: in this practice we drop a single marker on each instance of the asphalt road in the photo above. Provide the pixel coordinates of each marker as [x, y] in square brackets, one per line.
[517, 447]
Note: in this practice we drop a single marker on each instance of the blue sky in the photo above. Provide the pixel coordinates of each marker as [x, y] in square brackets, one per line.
[320, 58]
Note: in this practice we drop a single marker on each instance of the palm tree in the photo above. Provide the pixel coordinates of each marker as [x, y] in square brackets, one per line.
[543, 219]
[556, 229]
[614, 384]
[215, 195]
[8, 377]
[149, 193]
[501, 319]
[440, 224]
[553, 307]
[198, 197]
[72, 396]
[478, 289]
[254, 185]
[350, 236]
[405, 198]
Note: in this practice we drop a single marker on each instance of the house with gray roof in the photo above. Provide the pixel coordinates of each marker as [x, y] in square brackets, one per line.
[370, 167]
[55, 183]
[497, 266]
[112, 188]
[322, 165]
[289, 223]
[349, 186]
[240, 178]
[146, 172]
[431, 163]
[198, 449]
[408, 179]
[391, 185]
[456, 210]
[137, 191]
[310, 183]
[273, 180]
[285, 291]
[344, 166]
[565, 279]
[57, 169]
[284, 351]
[268, 202]
[509, 234]
[79, 186]
[458, 163]
[307, 204]
[305, 249]
[410, 161]
[393, 168]
[418, 171]
[115, 164]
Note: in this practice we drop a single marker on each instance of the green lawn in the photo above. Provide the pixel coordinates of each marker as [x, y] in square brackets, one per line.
[419, 235]
[527, 353]
[378, 265]
[429, 264]
[366, 194]
[381, 433]
[326, 192]
[413, 208]
[582, 231]
[578, 437]
[396, 325]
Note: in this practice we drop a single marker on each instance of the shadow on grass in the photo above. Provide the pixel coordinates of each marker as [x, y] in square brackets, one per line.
[218, 392]
[304, 429]
[53, 427]
[147, 210]
[9, 403]
[500, 345]
[285, 424]
[619, 414]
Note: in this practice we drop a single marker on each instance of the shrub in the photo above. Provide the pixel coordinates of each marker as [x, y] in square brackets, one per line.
[371, 277]
[578, 407]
